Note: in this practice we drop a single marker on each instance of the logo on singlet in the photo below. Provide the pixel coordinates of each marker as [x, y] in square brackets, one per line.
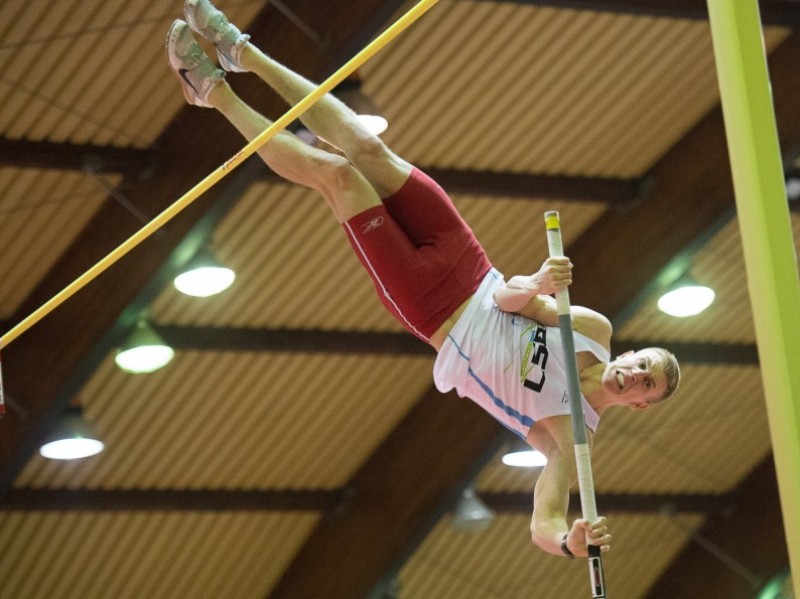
[534, 359]
[372, 225]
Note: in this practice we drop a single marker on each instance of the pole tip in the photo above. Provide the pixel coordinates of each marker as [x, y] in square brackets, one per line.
[551, 220]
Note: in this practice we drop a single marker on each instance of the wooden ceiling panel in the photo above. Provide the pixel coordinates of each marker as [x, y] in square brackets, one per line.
[41, 213]
[568, 92]
[499, 562]
[238, 421]
[159, 555]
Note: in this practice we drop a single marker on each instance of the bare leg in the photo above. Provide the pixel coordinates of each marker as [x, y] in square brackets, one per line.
[345, 189]
[334, 122]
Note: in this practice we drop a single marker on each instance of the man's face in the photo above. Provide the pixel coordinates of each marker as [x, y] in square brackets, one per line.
[637, 378]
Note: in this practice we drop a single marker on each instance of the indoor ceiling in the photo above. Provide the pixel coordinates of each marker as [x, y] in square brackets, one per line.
[296, 447]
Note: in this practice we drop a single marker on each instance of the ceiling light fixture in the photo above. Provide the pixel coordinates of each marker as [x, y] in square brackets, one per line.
[687, 298]
[144, 351]
[471, 514]
[204, 276]
[524, 456]
[71, 439]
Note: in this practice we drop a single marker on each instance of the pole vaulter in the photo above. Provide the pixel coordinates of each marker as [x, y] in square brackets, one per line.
[498, 341]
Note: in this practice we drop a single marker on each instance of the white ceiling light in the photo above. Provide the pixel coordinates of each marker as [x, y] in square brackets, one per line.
[524, 458]
[375, 123]
[144, 351]
[686, 300]
[71, 439]
[471, 514]
[204, 276]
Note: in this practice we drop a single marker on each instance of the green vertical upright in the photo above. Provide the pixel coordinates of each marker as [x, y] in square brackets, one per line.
[764, 222]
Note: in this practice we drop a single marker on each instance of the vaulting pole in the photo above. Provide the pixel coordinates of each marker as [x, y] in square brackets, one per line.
[582, 452]
[212, 179]
[765, 226]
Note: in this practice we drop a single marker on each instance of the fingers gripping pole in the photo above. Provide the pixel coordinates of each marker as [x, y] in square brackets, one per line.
[582, 452]
[212, 179]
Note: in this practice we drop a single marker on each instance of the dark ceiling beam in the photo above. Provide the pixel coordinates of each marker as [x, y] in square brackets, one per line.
[617, 192]
[783, 13]
[696, 353]
[752, 535]
[621, 502]
[319, 500]
[148, 500]
[110, 159]
[22, 153]
[692, 190]
[400, 344]
[292, 340]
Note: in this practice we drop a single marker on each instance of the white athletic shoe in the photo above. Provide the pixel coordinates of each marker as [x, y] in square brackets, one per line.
[197, 74]
[209, 22]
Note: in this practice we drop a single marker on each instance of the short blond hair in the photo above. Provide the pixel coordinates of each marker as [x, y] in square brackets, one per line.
[671, 370]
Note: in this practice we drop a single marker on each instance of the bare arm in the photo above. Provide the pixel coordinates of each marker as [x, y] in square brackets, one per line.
[553, 436]
[530, 295]
[551, 497]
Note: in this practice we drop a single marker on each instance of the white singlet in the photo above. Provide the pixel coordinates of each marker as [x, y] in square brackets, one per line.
[510, 365]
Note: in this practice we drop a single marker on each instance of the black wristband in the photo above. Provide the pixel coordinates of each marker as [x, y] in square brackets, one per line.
[564, 549]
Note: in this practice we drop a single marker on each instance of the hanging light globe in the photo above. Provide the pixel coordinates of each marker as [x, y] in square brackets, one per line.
[686, 300]
[204, 276]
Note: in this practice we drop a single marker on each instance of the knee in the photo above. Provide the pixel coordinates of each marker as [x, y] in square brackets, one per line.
[336, 173]
[344, 187]
[368, 147]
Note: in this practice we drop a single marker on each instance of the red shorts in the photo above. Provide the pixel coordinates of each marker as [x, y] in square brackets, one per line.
[423, 258]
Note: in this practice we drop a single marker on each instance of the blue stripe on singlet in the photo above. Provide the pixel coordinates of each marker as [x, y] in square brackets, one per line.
[521, 418]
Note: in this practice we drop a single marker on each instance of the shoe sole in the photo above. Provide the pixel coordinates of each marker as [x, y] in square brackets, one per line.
[176, 31]
[226, 62]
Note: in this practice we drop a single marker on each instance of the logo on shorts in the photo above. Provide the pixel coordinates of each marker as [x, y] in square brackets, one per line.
[372, 225]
